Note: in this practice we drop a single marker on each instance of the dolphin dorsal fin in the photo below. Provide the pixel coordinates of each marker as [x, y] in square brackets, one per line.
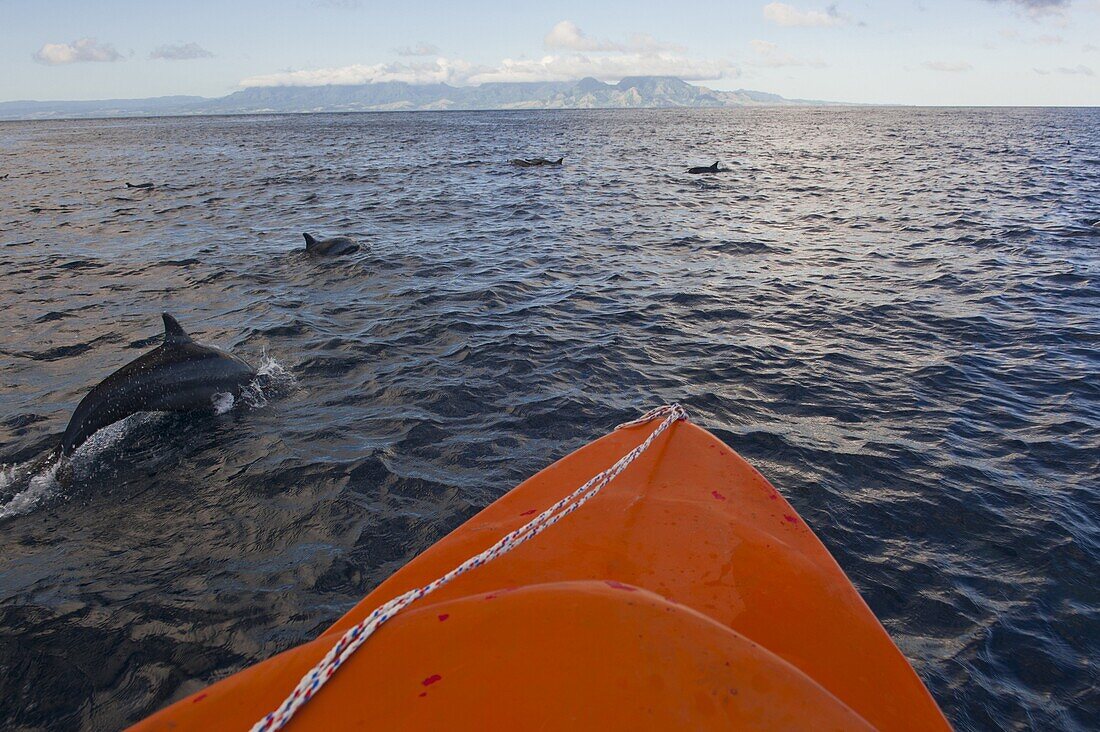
[310, 241]
[560, 161]
[715, 166]
[173, 331]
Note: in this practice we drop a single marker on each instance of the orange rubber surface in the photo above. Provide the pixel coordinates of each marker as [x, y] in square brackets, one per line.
[687, 595]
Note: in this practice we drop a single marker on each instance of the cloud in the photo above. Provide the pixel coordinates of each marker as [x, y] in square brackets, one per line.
[180, 52]
[565, 67]
[567, 36]
[769, 54]
[84, 49]
[645, 43]
[641, 55]
[1080, 70]
[792, 17]
[1036, 8]
[1046, 39]
[606, 68]
[948, 66]
[420, 49]
[434, 72]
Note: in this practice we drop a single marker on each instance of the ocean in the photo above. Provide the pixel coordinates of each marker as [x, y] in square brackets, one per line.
[893, 313]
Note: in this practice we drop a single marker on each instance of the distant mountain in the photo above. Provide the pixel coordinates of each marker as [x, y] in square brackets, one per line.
[588, 93]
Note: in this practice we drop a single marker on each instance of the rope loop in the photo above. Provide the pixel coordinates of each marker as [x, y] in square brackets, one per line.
[355, 636]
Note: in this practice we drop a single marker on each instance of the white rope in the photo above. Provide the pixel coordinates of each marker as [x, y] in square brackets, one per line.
[356, 635]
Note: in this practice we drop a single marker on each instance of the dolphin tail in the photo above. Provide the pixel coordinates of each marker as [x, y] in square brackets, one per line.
[310, 241]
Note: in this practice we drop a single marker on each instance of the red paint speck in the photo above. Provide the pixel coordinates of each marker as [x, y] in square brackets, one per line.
[790, 519]
[619, 586]
[443, 616]
[528, 513]
[774, 496]
[199, 698]
[431, 679]
[423, 693]
[718, 496]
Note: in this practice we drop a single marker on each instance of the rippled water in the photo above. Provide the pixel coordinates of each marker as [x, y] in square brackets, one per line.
[894, 314]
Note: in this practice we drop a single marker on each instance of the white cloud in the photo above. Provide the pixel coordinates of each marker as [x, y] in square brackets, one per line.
[1046, 39]
[1037, 8]
[948, 66]
[180, 52]
[1079, 70]
[606, 68]
[792, 17]
[548, 68]
[420, 49]
[435, 72]
[84, 49]
[567, 36]
[645, 43]
[769, 54]
[642, 55]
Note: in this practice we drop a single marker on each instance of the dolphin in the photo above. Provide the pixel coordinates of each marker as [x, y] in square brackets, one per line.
[336, 245]
[138, 185]
[705, 168]
[180, 375]
[535, 162]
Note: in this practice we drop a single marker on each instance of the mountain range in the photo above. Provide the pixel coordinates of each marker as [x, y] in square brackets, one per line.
[588, 93]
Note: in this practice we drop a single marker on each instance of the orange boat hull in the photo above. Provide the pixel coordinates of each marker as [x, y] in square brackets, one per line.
[687, 595]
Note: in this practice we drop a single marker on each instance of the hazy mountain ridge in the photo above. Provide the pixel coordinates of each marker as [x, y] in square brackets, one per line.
[588, 93]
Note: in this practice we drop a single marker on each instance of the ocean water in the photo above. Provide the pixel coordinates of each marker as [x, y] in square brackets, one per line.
[893, 313]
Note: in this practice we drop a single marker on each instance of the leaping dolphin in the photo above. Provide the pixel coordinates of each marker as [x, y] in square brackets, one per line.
[705, 168]
[180, 375]
[335, 246]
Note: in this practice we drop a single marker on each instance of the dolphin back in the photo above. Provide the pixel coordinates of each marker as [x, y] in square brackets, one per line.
[335, 245]
[180, 375]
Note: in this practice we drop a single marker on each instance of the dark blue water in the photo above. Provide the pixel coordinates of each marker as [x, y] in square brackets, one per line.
[893, 313]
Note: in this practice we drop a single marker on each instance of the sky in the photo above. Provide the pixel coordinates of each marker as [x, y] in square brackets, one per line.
[925, 52]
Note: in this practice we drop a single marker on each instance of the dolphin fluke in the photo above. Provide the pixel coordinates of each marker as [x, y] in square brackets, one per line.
[173, 331]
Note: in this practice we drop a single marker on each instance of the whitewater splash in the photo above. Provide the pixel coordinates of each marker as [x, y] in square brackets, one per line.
[24, 486]
[39, 484]
[272, 379]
